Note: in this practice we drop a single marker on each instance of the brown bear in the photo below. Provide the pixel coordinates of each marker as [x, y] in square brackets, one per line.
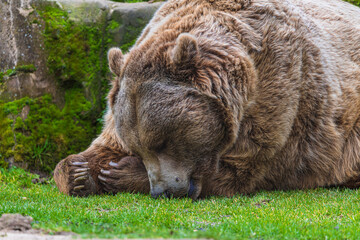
[224, 97]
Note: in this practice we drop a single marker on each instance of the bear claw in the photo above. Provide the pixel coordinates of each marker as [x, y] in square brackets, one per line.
[80, 178]
[105, 172]
[79, 163]
[77, 188]
[112, 164]
[102, 178]
[81, 169]
[76, 175]
[106, 185]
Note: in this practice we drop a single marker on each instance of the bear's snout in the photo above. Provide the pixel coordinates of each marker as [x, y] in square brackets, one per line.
[169, 191]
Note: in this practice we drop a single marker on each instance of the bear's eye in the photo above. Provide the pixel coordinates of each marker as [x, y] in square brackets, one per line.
[160, 147]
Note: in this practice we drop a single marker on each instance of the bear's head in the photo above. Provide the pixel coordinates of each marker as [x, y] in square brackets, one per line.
[167, 114]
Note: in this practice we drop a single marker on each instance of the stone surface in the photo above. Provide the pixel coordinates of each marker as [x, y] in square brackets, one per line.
[15, 222]
[131, 18]
[87, 11]
[27, 236]
[22, 42]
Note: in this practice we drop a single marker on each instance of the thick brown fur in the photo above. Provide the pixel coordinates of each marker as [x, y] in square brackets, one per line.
[277, 81]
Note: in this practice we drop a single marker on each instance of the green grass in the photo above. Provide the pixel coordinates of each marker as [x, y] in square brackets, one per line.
[312, 214]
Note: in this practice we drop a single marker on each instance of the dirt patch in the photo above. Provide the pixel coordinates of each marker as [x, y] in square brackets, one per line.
[16, 226]
[15, 222]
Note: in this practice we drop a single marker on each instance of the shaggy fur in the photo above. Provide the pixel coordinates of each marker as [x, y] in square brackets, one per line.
[231, 96]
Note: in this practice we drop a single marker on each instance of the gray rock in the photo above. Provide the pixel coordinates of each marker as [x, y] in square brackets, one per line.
[86, 11]
[22, 42]
[131, 18]
[15, 222]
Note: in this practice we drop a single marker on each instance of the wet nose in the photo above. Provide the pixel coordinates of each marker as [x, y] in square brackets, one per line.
[158, 194]
[159, 190]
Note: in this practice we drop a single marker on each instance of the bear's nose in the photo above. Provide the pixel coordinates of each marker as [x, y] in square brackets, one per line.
[157, 194]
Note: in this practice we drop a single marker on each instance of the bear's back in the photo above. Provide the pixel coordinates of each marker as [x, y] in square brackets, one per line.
[339, 22]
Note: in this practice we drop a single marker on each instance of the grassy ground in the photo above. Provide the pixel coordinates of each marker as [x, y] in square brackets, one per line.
[312, 214]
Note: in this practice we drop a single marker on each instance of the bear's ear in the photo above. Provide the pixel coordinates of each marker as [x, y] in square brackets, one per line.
[116, 60]
[185, 51]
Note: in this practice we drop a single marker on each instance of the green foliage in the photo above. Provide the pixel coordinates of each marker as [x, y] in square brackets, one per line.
[48, 133]
[355, 2]
[130, 36]
[39, 152]
[77, 58]
[8, 73]
[73, 49]
[12, 72]
[25, 68]
[125, 47]
[310, 214]
[113, 25]
[6, 138]
[76, 55]
[4, 75]
[21, 68]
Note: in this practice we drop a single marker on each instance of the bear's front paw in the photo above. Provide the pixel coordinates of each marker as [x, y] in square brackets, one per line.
[72, 177]
[127, 175]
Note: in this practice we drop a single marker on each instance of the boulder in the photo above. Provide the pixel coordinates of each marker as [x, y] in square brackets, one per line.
[23, 43]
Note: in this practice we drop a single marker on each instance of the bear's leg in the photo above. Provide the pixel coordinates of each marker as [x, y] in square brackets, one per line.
[352, 184]
[98, 170]
[351, 158]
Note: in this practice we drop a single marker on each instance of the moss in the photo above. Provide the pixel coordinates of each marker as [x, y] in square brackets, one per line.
[355, 2]
[113, 25]
[130, 36]
[12, 72]
[6, 138]
[48, 133]
[26, 68]
[4, 76]
[125, 47]
[75, 54]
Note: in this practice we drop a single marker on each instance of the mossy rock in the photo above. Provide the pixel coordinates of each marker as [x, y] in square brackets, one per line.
[36, 132]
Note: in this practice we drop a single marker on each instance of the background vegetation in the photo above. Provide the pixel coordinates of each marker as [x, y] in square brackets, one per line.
[36, 133]
[355, 2]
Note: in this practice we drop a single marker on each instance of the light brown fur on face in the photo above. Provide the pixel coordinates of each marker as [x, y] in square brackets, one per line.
[229, 97]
